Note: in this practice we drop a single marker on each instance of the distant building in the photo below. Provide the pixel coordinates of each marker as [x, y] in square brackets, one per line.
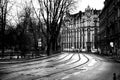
[81, 30]
[110, 27]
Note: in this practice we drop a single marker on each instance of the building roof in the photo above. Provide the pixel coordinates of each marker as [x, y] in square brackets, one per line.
[88, 9]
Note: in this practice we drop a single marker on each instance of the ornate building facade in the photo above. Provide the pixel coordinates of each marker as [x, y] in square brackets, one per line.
[81, 30]
[109, 34]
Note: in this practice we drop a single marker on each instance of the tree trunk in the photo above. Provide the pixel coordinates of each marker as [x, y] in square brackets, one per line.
[3, 49]
[35, 41]
[54, 43]
[48, 46]
[48, 49]
[3, 30]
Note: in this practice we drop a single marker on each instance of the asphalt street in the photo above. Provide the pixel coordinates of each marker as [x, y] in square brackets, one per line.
[65, 66]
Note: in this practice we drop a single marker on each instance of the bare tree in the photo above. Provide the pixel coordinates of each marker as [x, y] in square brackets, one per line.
[30, 23]
[51, 16]
[4, 12]
[3, 7]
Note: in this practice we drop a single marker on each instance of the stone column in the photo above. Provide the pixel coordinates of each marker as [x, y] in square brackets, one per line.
[80, 38]
[83, 38]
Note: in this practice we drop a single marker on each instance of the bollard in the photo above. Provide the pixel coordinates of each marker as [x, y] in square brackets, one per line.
[114, 76]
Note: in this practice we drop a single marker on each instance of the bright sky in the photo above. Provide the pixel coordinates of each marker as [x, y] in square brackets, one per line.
[82, 4]
[98, 4]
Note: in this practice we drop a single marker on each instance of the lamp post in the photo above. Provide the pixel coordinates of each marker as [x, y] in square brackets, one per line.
[80, 39]
[88, 36]
[95, 27]
[88, 42]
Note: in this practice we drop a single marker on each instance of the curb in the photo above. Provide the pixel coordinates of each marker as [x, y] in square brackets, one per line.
[114, 59]
[117, 61]
[31, 60]
[109, 58]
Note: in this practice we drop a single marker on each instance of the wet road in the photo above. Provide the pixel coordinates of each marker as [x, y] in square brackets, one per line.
[66, 66]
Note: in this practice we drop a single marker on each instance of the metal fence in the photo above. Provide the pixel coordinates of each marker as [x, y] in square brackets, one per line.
[17, 54]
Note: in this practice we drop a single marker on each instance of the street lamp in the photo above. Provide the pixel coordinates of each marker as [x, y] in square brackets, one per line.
[95, 27]
[88, 35]
[88, 42]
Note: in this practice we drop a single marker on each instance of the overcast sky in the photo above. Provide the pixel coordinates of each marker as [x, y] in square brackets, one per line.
[98, 4]
[82, 4]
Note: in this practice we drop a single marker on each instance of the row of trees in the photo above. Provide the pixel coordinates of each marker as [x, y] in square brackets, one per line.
[52, 14]
[3, 15]
[32, 24]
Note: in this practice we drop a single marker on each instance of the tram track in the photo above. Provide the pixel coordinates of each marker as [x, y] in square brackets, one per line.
[62, 57]
[65, 69]
[39, 67]
[29, 64]
[76, 60]
[64, 62]
[57, 72]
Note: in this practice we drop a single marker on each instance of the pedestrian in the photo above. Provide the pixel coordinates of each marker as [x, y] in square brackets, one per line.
[114, 76]
[99, 51]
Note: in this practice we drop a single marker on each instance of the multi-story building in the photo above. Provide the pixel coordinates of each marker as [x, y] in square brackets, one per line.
[81, 30]
[109, 30]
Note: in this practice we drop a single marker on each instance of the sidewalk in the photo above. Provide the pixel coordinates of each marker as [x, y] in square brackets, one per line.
[112, 57]
[16, 61]
[116, 58]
